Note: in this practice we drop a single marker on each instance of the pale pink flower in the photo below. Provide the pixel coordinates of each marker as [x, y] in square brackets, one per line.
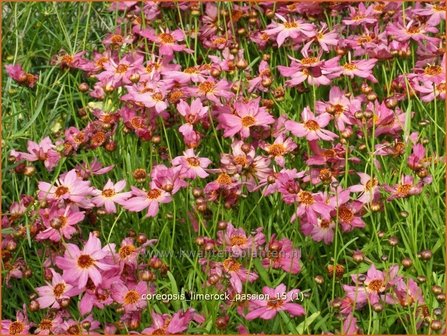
[52, 294]
[278, 300]
[81, 265]
[312, 127]
[147, 199]
[109, 195]
[192, 165]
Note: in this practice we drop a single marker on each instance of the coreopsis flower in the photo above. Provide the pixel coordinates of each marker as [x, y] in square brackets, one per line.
[311, 127]
[212, 90]
[413, 30]
[59, 222]
[311, 204]
[17, 73]
[278, 300]
[151, 200]
[69, 187]
[167, 41]
[246, 115]
[322, 230]
[430, 91]
[148, 95]
[360, 15]
[340, 107]
[324, 38]
[350, 326]
[20, 326]
[292, 28]
[109, 195]
[176, 324]
[44, 151]
[359, 68]
[191, 164]
[404, 189]
[130, 296]
[435, 13]
[235, 240]
[368, 188]
[169, 179]
[408, 293]
[52, 294]
[80, 265]
[280, 147]
[311, 68]
[374, 288]
[280, 254]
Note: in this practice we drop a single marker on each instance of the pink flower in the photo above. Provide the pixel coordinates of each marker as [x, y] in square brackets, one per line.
[289, 28]
[79, 266]
[20, 326]
[176, 324]
[368, 188]
[194, 113]
[312, 69]
[280, 254]
[20, 76]
[212, 90]
[321, 230]
[235, 240]
[360, 15]
[44, 151]
[280, 147]
[360, 68]
[59, 222]
[166, 40]
[405, 189]
[109, 195]
[409, 293]
[192, 165]
[278, 300]
[246, 115]
[69, 187]
[312, 127]
[310, 205]
[150, 200]
[130, 296]
[51, 294]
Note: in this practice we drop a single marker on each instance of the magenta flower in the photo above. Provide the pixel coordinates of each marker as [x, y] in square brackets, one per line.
[118, 73]
[130, 296]
[20, 326]
[278, 300]
[69, 187]
[147, 199]
[312, 127]
[293, 29]
[51, 294]
[192, 166]
[409, 293]
[246, 115]
[109, 195]
[79, 266]
[44, 151]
